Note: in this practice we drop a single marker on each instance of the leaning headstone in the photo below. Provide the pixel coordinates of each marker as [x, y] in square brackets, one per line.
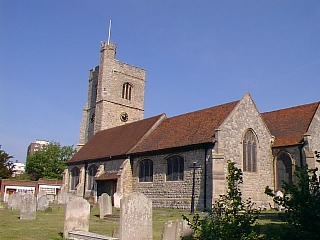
[105, 205]
[16, 201]
[28, 207]
[135, 217]
[117, 196]
[176, 229]
[77, 216]
[43, 203]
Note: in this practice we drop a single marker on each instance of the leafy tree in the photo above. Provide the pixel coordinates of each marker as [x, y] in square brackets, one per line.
[22, 176]
[301, 201]
[49, 162]
[230, 217]
[6, 166]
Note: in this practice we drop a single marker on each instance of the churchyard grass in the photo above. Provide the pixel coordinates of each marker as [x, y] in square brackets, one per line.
[49, 224]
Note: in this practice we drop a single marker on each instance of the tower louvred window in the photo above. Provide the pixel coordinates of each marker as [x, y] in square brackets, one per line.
[127, 91]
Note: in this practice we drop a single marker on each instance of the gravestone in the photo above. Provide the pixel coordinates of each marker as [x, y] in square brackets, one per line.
[41, 193]
[43, 203]
[28, 207]
[105, 205]
[51, 197]
[175, 229]
[9, 201]
[65, 197]
[77, 216]
[135, 217]
[16, 201]
[117, 196]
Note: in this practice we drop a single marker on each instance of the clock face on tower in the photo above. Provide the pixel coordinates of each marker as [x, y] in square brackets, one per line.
[124, 116]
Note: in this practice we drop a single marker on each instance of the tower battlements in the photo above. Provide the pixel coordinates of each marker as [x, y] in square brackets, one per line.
[105, 45]
[130, 70]
[116, 89]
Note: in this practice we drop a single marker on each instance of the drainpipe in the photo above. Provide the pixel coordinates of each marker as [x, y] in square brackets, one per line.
[205, 180]
[85, 178]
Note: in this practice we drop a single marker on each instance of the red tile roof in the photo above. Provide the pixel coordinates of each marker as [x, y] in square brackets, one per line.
[187, 129]
[288, 125]
[115, 141]
[25, 183]
[50, 181]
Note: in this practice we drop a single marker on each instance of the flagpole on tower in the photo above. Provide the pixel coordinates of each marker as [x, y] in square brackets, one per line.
[109, 32]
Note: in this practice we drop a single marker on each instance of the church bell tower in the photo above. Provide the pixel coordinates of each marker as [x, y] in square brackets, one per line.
[115, 94]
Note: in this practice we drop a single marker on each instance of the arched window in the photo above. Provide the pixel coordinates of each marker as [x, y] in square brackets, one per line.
[146, 170]
[249, 144]
[92, 171]
[127, 91]
[75, 172]
[283, 169]
[175, 168]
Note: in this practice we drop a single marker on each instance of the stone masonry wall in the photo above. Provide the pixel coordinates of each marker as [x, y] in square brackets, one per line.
[314, 139]
[111, 166]
[175, 194]
[230, 147]
[112, 75]
[105, 103]
[87, 125]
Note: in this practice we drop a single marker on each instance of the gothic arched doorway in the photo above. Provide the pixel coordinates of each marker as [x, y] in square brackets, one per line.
[283, 170]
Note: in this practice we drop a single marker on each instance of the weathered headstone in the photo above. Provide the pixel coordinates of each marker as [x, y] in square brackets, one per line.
[117, 196]
[43, 203]
[28, 207]
[105, 205]
[175, 229]
[77, 216]
[41, 193]
[135, 217]
[9, 201]
[65, 197]
[16, 201]
[51, 197]
[69, 197]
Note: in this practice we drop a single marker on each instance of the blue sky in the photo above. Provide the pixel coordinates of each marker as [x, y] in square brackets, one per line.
[197, 54]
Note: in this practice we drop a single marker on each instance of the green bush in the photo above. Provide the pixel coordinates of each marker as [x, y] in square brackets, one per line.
[301, 203]
[230, 217]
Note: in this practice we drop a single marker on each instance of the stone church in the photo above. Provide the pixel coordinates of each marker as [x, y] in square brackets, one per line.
[120, 151]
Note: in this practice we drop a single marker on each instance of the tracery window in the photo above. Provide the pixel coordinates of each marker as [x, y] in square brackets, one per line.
[127, 91]
[92, 171]
[249, 152]
[175, 168]
[75, 172]
[146, 170]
